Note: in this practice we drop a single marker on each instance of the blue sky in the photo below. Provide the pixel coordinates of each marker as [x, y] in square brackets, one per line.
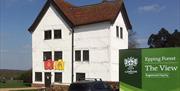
[146, 16]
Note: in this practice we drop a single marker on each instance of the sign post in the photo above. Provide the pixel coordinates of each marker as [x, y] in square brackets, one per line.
[150, 69]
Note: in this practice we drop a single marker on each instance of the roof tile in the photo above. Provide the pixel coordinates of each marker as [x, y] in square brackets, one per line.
[88, 14]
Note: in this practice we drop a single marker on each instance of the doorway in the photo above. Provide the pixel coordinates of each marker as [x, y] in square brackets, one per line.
[47, 79]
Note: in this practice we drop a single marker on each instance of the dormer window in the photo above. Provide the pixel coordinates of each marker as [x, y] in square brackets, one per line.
[47, 34]
[57, 34]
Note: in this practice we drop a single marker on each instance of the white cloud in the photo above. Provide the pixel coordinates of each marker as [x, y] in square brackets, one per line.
[151, 8]
[142, 42]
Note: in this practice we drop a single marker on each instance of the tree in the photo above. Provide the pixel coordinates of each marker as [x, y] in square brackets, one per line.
[132, 43]
[176, 36]
[164, 39]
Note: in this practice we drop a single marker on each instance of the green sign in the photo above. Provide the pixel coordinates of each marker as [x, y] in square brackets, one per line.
[150, 69]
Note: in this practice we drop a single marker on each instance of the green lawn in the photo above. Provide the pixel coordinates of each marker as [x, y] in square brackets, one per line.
[126, 87]
[13, 84]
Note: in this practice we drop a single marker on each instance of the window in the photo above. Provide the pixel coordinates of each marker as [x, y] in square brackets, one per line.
[57, 55]
[121, 32]
[38, 76]
[117, 31]
[57, 34]
[77, 55]
[80, 76]
[85, 55]
[47, 34]
[47, 55]
[58, 77]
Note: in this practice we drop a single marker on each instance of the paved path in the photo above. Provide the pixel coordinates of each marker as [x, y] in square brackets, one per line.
[26, 88]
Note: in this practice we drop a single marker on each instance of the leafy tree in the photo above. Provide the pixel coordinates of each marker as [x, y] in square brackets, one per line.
[132, 43]
[176, 36]
[164, 39]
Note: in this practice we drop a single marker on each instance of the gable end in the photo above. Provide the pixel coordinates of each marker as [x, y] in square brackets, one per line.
[42, 13]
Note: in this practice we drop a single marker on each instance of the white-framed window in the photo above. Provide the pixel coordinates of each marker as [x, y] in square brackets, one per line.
[57, 34]
[58, 55]
[82, 55]
[58, 77]
[47, 35]
[85, 55]
[47, 55]
[80, 76]
[119, 32]
[38, 76]
[77, 55]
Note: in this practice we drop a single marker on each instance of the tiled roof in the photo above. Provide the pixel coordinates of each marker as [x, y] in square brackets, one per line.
[82, 15]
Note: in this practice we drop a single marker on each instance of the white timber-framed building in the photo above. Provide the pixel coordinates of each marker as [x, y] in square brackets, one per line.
[86, 38]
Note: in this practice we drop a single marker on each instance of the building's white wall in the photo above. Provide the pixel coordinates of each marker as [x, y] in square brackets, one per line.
[51, 20]
[94, 38]
[99, 38]
[116, 44]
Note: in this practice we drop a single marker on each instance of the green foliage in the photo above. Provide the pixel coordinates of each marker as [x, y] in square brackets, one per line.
[15, 78]
[10, 74]
[164, 39]
[26, 76]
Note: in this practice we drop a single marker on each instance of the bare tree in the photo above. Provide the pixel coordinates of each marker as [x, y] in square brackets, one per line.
[132, 42]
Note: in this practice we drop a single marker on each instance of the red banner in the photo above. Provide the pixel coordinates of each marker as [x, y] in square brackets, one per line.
[48, 64]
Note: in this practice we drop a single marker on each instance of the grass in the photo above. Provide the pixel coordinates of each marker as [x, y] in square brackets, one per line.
[13, 84]
[126, 87]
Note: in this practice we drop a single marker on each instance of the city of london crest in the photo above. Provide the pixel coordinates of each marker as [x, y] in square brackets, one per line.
[130, 63]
